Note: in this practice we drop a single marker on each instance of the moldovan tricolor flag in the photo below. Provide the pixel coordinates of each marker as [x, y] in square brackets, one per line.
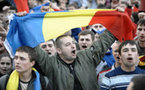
[33, 29]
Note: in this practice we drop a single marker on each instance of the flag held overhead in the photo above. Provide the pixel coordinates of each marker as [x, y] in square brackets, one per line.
[33, 29]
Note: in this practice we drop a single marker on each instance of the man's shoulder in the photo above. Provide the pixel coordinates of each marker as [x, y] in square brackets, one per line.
[45, 83]
[113, 72]
[3, 81]
[140, 70]
[4, 77]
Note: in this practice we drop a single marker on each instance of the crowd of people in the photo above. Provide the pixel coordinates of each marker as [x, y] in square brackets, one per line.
[85, 58]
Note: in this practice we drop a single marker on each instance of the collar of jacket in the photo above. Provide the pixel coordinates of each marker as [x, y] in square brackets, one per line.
[73, 63]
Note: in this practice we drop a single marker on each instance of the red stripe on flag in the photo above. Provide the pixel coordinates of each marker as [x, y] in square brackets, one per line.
[112, 20]
[22, 5]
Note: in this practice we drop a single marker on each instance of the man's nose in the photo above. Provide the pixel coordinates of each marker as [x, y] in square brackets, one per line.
[143, 32]
[84, 41]
[129, 52]
[5, 65]
[17, 60]
[73, 45]
[47, 47]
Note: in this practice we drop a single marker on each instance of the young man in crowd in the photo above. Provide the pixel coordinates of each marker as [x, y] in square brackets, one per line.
[117, 63]
[5, 64]
[119, 78]
[49, 47]
[141, 36]
[86, 38]
[24, 77]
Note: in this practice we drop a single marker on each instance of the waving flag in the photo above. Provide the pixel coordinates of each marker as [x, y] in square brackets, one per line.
[33, 29]
[37, 8]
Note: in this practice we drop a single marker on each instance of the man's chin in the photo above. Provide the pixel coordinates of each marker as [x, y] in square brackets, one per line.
[72, 58]
[142, 41]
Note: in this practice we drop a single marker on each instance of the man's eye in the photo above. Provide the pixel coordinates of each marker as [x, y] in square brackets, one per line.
[116, 51]
[96, 26]
[22, 58]
[43, 46]
[87, 39]
[134, 49]
[67, 44]
[125, 50]
[82, 40]
[7, 63]
[100, 26]
[139, 29]
[50, 45]
[2, 63]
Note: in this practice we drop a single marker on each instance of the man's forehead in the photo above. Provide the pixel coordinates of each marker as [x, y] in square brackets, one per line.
[141, 24]
[85, 36]
[129, 46]
[66, 37]
[46, 43]
[21, 53]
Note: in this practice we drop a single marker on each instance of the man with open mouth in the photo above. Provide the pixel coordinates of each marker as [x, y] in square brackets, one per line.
[86, 38]
[119, 78]
[70, 69]
[49, 47]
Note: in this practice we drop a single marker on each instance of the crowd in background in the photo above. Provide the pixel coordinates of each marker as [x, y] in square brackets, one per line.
[112, 63]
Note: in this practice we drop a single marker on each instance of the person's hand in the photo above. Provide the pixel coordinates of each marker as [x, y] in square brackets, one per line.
[54, 5]
[101, 2]
[6, 8]
[44, 9]
[21, 13]
[141, 15]
[120, 9]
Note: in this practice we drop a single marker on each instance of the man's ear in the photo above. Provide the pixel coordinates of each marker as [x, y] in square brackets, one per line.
[120, 57]
[58, 50]
[33, 63]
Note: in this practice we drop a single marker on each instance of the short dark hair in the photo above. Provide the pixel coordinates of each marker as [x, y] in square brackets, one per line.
[5, 55]
[141, 22]
[86, 32]
[52, 41]
[138, 82]
[131, 42]
[31, 52]
[58, 41]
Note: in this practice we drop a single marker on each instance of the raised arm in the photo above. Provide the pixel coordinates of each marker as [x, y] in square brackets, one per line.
[44, 60]
[100, 47]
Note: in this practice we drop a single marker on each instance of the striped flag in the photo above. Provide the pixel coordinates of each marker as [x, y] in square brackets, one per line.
[33, 29]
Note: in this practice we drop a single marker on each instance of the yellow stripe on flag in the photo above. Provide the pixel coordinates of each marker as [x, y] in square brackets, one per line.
[56, 24]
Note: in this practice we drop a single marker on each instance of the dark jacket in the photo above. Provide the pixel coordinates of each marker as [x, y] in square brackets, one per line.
[85, 65]
[43, 80]
[141, 50]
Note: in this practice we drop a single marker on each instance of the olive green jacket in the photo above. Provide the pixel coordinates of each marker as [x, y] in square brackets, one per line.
[85, 65]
